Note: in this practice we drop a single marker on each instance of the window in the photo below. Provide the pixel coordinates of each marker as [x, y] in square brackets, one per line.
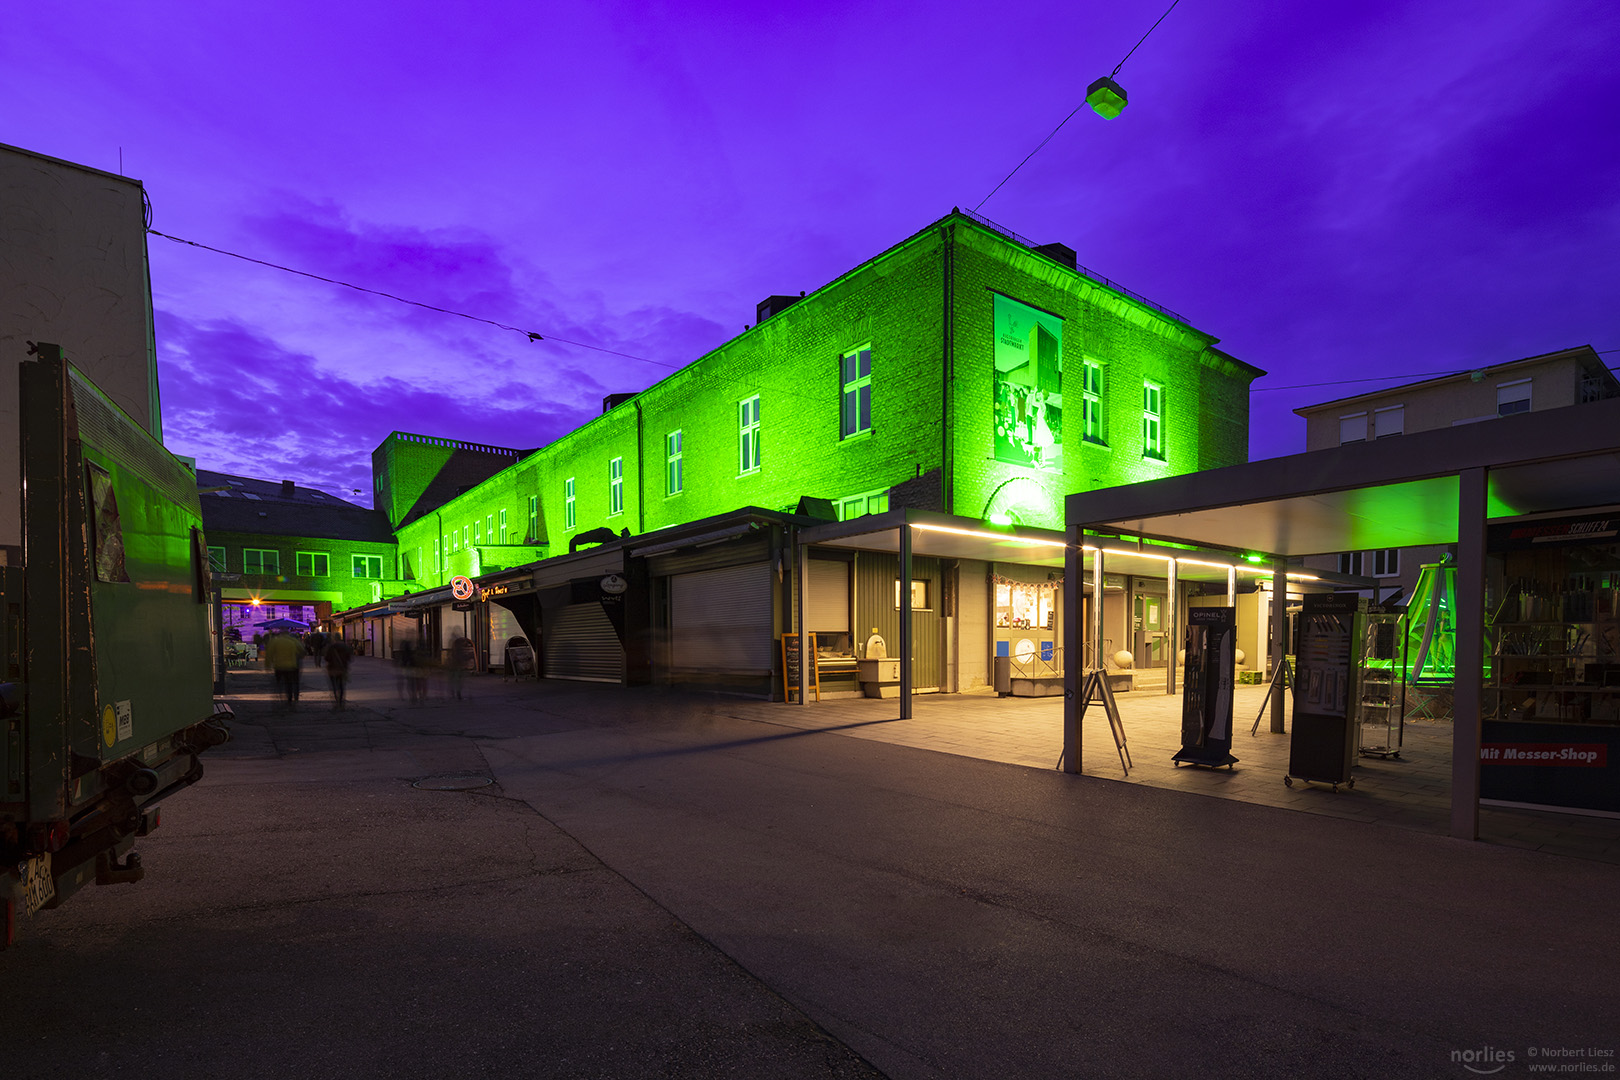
[1353, 428]
[216, 559]
[311, 563]
[478, 532]
[489, 525]
[568, 503]
[855, 373]
[1512, 397]
[1091, 392]
[455, 539]
[871, 502]
[438, 563]
[1387, 562]
[534, 518]
[616, 486]
[368, 566]
[919, 594]
[1350, 562]
[748, 435]
[1390, 421]
[672, 464]
[260, 561]
[1153, 420]
[503, 526]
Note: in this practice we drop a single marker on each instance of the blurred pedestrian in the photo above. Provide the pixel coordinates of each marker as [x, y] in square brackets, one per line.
[462, 658]
[338, 658]
[283, 653]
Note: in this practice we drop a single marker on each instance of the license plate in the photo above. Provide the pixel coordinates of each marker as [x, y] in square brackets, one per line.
[38, 885]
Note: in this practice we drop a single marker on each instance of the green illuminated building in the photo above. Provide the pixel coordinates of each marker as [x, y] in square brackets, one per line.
[962, 370]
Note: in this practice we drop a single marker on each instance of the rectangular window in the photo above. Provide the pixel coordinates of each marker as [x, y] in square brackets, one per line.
[1387, 562]
[616, 486]
[489, 526]
[872, 502]
[855, 374]
[919, 594]
[260, 561]
[1512, 397]
[438, 564]
[1350, 562]
[216, 559]
[673, 481]
[455, 539]
[1353, 428]
[311, 563]
[1091, 401]
[568, 503]
[503, 526]
[1390, 421]
[368, 566]
[1153, 420]
[748, 435]
[534, 518]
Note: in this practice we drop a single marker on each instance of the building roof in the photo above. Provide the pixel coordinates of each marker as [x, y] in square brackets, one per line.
[244, 504]
[1584, 355]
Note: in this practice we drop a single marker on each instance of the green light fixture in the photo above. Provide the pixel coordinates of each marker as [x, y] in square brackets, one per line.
[1106, 98]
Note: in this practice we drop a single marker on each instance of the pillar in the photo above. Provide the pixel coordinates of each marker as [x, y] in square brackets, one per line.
[1468, 688]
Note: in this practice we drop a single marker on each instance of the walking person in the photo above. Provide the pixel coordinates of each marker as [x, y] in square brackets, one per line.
[462, 658]
[283, 653]
[338, 657]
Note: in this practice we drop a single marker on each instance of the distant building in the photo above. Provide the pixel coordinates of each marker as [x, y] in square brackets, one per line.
[276, 543]
[73, 272]
[1552, 380]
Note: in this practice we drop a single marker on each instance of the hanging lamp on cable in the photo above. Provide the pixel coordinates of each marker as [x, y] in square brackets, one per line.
[1105, 96]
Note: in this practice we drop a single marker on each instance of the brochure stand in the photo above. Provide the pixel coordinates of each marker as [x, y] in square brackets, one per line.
[1206, 700]
[1322, 747]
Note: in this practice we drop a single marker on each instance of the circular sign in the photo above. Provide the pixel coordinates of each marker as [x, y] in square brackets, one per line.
[109, 724]
[1024, 651]
[461, 587]
[613, 584]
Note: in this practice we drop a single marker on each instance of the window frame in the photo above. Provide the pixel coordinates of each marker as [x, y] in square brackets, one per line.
[922, 584]
[298, 568]
[852, 381]
[1153, 440]
[1093, 424]
[1352, 562]
[1359, 422]
[748, 436]
[570, 505]
[534, 519]
[218, 565]
[1382, 417]
[1515, 399]
[615, 486]
[503, 526]
[275, 558]
[369, 560]
[674, 473]
[1387, 562]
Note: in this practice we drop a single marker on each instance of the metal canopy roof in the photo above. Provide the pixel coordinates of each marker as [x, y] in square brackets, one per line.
[1395, 492]
[945, 536]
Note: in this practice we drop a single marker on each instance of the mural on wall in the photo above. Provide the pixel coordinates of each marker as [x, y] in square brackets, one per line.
[1028, 386]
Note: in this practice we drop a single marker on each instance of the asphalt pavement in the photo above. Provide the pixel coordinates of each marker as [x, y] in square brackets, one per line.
[600, 882]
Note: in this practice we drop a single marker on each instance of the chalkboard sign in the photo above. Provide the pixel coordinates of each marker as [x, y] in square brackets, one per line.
[793, 663]
[520, 661]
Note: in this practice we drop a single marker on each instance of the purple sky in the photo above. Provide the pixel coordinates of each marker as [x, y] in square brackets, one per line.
[1337, 190]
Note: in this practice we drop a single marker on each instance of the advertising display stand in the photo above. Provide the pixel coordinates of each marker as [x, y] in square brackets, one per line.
[1206, 703]
[1322, 747]
[1380, 697]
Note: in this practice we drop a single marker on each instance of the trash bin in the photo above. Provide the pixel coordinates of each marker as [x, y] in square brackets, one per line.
[1003, 674]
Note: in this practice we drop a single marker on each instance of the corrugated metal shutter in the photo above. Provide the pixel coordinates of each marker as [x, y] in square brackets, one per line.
[720, 620]
[580, 643]
[829, 596]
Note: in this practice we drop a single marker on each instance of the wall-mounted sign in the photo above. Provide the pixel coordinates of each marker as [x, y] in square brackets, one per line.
[461, 587]
[1028, 403]
[613, 584]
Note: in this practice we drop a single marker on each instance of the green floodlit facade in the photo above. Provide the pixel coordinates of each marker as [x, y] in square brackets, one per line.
[961, 370]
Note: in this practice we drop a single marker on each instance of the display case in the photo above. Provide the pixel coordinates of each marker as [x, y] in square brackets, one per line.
[1380, 693]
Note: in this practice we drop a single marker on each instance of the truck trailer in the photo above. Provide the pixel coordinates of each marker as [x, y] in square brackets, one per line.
[106, 664]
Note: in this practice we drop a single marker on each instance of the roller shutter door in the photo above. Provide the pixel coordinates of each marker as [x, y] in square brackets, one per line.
[720, 620]
[829, 597]
[580, 643]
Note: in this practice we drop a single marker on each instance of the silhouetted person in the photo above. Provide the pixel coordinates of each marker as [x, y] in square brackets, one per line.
[338, 658]
[462, 658]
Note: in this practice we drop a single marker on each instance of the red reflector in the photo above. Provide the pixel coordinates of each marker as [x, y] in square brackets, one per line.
[58, 836]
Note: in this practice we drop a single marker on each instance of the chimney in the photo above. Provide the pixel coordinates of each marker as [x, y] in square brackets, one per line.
[1060, 253]
[286, 489]
[771, 305]
[614, 400]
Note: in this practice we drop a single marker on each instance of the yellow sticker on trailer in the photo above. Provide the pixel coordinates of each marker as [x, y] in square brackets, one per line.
[39, 886]
[109, 725]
